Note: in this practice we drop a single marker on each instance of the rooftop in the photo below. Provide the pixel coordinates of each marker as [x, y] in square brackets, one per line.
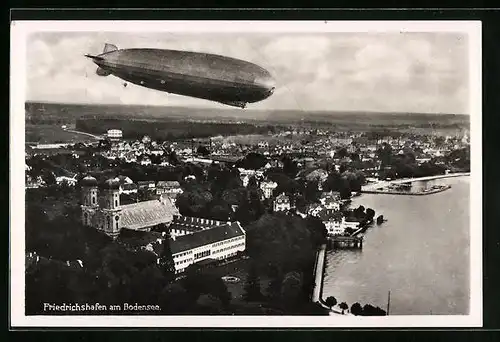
[193, 224]
[168, 184]
[137, 216]
[205, 237]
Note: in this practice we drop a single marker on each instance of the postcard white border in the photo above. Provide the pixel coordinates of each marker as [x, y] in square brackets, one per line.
[19, 32]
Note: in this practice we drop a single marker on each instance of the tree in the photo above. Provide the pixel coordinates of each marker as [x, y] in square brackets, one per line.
[174, 299]
[356, 309]
[252, 286]
[331, 301]
[343, 306]
[253, 161]
[289, 166]
[203, 150]
[333, 182]
[342, 152]
[166, 260]
[291, 289]
[274, 287]
[370, 213]
[252, 183]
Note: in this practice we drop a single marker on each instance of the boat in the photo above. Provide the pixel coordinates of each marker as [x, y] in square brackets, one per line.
[380, 219]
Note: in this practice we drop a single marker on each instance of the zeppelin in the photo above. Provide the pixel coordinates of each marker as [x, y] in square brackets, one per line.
[206, 76]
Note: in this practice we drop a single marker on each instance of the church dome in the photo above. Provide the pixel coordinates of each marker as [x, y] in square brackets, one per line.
[88, 181]
[111, 184]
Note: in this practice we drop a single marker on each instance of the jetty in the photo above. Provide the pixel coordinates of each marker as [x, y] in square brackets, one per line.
[391, 187]
[353, 241]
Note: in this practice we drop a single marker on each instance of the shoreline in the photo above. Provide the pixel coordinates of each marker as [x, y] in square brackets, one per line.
[381, 187]
[408, 193]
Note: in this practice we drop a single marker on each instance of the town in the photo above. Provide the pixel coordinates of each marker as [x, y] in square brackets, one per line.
[218, 225]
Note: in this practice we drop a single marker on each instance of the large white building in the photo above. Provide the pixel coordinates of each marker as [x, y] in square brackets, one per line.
[115, 134]
[219, 242]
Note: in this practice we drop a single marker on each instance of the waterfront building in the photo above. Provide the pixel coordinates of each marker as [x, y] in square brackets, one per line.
[101, 209]
[335, 226]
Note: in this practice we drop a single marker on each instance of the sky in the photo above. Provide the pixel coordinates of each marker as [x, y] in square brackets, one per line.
[379, 72]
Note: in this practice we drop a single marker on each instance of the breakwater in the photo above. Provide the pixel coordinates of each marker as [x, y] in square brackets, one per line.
[408, 193]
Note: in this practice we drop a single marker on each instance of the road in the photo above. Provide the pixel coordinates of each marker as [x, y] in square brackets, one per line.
[84, 133]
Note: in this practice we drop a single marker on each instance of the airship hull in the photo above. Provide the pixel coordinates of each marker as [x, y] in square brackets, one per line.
[200, 75]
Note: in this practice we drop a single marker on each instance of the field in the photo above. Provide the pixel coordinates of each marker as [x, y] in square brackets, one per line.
[182, 119]
[47, 134]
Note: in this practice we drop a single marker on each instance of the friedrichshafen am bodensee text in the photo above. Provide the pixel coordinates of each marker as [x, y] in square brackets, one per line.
[85, 307]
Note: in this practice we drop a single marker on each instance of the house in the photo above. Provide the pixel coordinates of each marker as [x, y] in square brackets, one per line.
[329, 196]
[146, 161]
[330, 201]
[128, 188]
[281, 203]
[71, 180]
[168, 187]
[314, 209]
[268, 188]
[124, 180]
[146, 185]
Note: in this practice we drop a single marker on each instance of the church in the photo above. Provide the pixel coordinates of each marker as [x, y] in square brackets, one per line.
[101, 209]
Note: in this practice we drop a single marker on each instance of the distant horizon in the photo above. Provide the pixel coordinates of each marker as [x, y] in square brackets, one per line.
[229, 109]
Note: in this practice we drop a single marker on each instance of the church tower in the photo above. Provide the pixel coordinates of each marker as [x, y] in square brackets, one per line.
[111, 210]
[89, 200]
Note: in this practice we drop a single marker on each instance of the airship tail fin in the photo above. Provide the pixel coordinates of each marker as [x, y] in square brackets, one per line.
[109, 48]
[101, 72]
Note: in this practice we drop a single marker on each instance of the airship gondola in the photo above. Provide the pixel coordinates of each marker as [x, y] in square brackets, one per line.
[206, 76]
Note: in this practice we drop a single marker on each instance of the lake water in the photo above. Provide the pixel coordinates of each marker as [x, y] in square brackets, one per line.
[420, 255]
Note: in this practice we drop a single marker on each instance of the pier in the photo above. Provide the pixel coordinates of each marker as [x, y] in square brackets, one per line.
[353, 241]
[385, 187]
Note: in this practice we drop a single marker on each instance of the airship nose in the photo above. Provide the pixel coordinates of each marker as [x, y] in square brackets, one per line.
[266, 82]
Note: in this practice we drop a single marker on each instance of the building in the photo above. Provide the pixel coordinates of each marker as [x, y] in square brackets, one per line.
[168, 187]
[184, 225]
[338, 227]
[330, 201]
[217, 243]
[115, 134]
[146, 185]
[334, 227]
[128, 188]
[101, 209]
[268, 188]
[281, 203]
[66, 180]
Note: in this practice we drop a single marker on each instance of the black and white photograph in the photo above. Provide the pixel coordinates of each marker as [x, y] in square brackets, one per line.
[246, 174]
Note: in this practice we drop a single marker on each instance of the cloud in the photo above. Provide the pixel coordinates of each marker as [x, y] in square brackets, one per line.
[335, 71]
